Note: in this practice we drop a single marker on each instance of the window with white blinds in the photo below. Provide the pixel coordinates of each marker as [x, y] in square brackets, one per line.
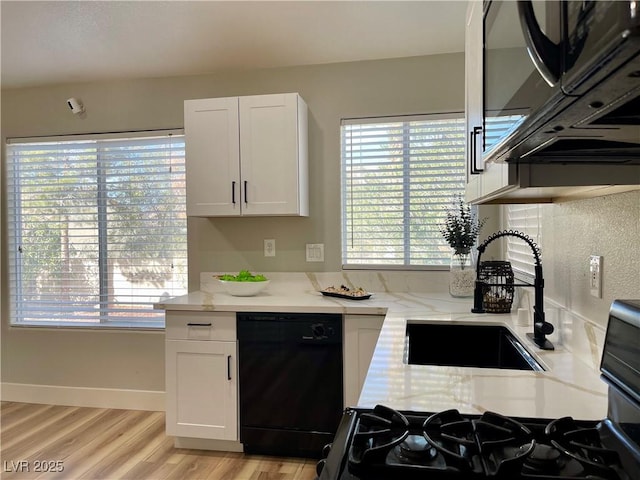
[399, 176]
[97, 228]
[524, 218]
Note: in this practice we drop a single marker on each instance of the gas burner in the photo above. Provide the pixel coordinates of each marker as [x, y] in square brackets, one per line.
[417, 448]
[543, 459]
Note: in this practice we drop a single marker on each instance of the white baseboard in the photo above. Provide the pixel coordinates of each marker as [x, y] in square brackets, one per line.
[207, 444]
[83, 396]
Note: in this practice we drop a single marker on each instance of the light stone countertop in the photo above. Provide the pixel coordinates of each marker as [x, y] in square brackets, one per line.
[569, 386]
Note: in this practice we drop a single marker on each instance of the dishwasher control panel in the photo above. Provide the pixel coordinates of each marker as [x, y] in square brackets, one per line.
[290, 327]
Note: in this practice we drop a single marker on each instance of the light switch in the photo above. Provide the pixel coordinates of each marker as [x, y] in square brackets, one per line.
[315, 252]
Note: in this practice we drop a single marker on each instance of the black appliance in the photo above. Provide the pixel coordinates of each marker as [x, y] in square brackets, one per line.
[380, 443]
[562, 82]
[290, 382]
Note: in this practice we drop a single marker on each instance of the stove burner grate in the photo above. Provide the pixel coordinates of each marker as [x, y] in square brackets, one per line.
[584, 446]
[376, 433]
[453, 436]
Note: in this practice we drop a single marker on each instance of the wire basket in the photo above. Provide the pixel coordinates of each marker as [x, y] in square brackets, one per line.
[498, 294]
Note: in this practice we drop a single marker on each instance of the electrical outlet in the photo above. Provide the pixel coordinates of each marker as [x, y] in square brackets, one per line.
[269, 247]
[595, 276]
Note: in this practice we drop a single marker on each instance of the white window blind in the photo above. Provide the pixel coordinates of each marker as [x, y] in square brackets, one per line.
[498, 125]
[399, 176]
[524, 218]
[97, 228]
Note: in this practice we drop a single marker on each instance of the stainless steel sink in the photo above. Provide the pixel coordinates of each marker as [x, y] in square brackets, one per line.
[465, 345]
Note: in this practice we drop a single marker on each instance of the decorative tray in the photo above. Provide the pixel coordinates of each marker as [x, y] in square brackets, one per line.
[344, 292]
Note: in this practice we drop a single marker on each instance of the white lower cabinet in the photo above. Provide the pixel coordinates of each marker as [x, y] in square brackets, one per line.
[361, 334]
[201, 376]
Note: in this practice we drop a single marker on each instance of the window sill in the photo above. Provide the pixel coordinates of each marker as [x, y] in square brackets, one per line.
[399, 268]
[122, 327]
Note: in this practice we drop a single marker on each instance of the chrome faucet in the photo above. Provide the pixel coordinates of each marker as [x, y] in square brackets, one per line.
[541, 327]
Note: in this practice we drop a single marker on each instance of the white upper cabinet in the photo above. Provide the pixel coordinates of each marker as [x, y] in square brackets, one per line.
[483, 178]
[247, 156]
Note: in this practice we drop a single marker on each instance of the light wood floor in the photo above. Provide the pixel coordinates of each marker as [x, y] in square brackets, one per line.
[99, 443]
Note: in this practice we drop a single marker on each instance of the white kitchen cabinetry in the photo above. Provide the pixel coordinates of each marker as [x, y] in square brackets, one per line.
[247, 156]
[483, 178]
[360, 337]
[201, 375]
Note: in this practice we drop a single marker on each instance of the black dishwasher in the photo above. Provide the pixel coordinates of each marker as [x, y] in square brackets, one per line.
[290, 380]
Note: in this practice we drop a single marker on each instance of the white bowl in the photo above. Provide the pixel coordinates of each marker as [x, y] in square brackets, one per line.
[243, 289]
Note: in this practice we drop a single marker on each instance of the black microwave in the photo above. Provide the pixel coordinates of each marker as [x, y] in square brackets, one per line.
[561, 82]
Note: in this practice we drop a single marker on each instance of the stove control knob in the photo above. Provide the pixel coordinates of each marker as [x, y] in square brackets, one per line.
[320, 466]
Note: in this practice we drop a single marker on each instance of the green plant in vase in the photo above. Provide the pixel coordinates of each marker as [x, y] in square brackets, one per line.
[460, 230]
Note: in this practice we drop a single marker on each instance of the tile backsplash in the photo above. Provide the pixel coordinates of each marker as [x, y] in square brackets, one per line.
[370, 280]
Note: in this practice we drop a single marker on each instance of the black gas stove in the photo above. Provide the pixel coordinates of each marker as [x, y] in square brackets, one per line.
[382, 443]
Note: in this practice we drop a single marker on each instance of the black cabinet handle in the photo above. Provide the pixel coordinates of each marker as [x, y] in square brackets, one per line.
[473, 154]
[245, 191]
[233, 192]
[470, 159]
[198, 324]
[228, 367]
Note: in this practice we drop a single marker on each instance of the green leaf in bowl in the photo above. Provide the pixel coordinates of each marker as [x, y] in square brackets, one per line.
[243, 276]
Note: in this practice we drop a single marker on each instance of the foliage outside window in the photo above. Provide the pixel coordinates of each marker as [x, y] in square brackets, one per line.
[399, 175]
[97, 228]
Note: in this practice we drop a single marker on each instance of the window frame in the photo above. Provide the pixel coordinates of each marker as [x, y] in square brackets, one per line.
[15, 233]
[458, 116]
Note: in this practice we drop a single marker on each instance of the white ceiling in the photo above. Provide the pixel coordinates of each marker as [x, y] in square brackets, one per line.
[69, 41]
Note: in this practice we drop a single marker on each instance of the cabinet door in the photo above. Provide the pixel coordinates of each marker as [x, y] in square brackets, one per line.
[473, 99]
[212, 156]
[360, 337]
[495, 178]
[273, 159]
[201, 386]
